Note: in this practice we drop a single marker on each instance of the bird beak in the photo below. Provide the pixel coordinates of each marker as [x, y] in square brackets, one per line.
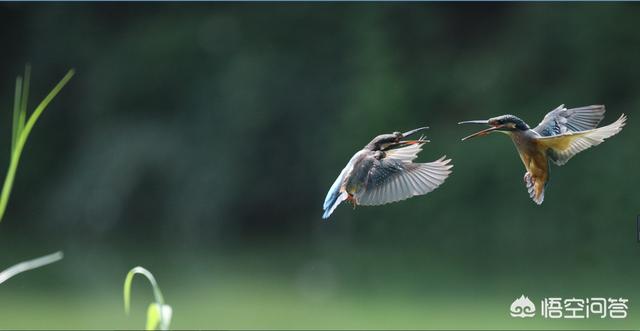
[405, 143]
[483, 132]
[408, 133]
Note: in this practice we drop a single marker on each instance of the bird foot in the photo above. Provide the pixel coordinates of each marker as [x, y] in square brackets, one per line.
[351, 199]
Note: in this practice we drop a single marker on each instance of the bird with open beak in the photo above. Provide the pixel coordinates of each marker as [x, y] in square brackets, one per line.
[562, 134]
[383, 172]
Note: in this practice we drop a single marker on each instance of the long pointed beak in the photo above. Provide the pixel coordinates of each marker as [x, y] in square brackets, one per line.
[408, 133]
[405, 143]
[482, 132]
[475, 122]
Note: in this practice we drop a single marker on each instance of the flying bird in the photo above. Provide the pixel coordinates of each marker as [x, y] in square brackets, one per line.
[561, 135]
[383, 172]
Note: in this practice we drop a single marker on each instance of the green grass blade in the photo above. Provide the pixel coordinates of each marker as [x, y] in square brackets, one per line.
[21, 139]
[28, 265]
[16, 113]
[24, 134]
[25, 98]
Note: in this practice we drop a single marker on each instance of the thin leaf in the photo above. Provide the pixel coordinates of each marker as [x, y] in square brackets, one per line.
[25, 98]
[28, 265]
[21, 139]
[24, 134]
[16, 113]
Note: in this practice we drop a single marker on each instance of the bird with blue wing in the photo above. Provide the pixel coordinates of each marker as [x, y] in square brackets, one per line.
[384, 172]
[561, 135]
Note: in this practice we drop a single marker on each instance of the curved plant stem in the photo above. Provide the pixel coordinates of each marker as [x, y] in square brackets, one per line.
[127, 286]
[28, 265]
[158, 314]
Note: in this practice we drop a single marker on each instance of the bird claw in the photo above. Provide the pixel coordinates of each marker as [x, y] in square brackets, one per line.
[351, 199]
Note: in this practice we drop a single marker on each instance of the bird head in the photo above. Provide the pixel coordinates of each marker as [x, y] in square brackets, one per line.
[394, 140]
[504, 124]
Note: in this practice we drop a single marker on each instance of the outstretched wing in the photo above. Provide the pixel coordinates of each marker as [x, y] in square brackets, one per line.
[561, 148]
[395, 178]
[406, 153]
[562, 120]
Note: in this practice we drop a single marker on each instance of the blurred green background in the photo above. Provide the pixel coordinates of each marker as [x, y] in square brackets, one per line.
[199, 140]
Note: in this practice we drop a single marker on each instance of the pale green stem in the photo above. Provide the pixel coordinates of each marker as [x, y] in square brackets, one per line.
[28, 265]
[127, 287]
[154, 284]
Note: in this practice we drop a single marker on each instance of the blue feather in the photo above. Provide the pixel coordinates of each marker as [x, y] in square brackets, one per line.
[332, 196]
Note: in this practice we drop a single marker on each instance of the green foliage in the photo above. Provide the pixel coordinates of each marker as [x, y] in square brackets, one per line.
[158, 314]
[21, 129]
[20, 133]
[29, 265]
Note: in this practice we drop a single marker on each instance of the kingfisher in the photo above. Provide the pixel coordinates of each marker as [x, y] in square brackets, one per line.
[561, 135]
[383, 172]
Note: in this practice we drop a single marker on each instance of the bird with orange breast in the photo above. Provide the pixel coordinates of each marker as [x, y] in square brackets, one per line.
[561, 135]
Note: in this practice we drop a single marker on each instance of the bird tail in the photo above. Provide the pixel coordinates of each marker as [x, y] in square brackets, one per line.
[535, 188]
[334, 196]
[333, 201]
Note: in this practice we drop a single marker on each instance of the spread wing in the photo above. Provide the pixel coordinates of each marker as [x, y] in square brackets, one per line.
[561, 148]
[395, 177]
[562, 120]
